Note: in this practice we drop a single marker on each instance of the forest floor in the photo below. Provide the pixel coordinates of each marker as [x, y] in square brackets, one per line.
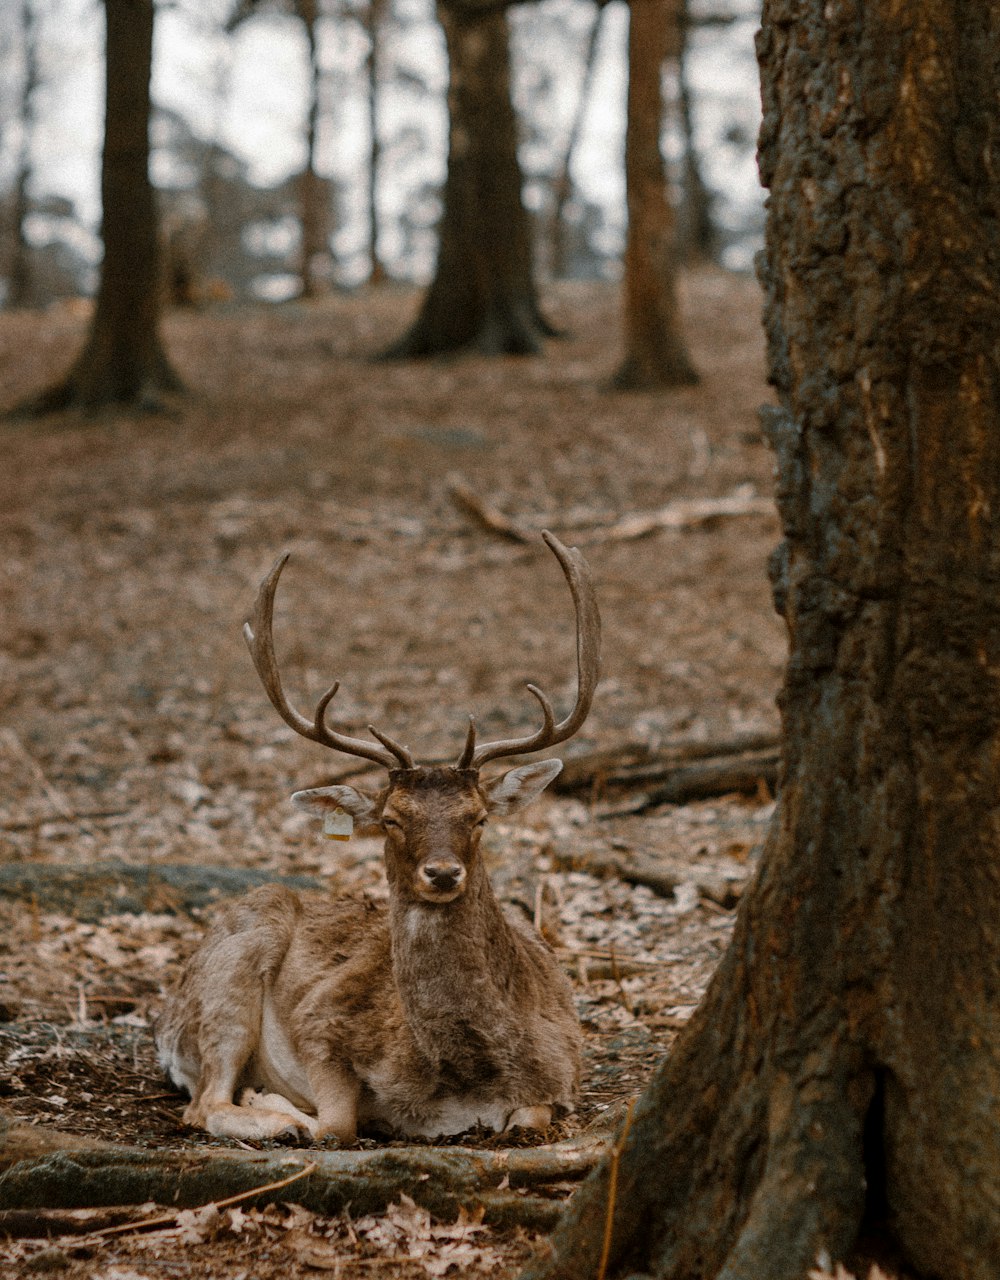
[134, 730]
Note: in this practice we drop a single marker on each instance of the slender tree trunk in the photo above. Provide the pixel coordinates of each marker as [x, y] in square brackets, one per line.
[655, 354]
[376, 14]
[563, 182]
[123, 361]
[698, 237]
[483, 293]
[19, 276]
[312, 196]
[843, 1071]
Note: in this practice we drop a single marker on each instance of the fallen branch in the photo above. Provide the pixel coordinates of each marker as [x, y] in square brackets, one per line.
[683, 513]
[44, 1167]
[93, 815]
[746, 775]
[687, 513]
[637, 765]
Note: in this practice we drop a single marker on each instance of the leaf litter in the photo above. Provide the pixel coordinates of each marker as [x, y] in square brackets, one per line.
[137, 735]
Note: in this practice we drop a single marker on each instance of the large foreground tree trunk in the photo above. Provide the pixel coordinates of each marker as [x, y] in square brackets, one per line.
[655, 354]
[843, 1070]
[123, 360]
[483, 293]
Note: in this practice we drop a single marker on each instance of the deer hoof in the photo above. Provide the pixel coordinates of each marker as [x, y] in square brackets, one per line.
[294, 1135]
[529, 1118]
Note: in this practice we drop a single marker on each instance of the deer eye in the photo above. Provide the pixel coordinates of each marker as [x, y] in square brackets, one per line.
[480, 822]
[391, 824]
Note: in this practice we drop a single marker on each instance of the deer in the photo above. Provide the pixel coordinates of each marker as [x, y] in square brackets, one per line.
[302, 1017]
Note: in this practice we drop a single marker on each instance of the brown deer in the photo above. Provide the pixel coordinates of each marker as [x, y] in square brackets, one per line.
[426, 1017]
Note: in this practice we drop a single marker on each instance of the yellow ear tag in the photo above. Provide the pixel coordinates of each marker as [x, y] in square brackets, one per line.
[338, 825]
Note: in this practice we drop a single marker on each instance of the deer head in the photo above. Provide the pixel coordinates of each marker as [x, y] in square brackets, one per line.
[432, 817]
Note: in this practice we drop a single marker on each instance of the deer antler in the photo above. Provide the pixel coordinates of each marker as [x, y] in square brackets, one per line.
[258, 635]
[588, 662]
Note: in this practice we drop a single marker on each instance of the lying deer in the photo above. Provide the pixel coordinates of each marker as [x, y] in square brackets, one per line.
[426, 1017]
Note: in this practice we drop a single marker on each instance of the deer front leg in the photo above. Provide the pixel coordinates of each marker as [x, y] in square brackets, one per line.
[229, 1039]
[335, 1090]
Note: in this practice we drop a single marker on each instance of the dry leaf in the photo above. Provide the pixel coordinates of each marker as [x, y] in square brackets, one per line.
[196, 1226]
[312, 1251]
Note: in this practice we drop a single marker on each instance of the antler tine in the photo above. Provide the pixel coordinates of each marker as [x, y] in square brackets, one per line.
[402, 754]
[260, 641]
[588, 665]
[468, 751]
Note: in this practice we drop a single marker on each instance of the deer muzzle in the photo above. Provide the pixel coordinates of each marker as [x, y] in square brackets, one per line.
[441, 879]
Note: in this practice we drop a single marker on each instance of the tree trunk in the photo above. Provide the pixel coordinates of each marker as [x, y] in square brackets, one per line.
[562, 183]
[842, 1073]
[375, 18]
[698, 237]
[123, 361]
[655, 354]
[19, 276]
[312, 211]
[483, 294]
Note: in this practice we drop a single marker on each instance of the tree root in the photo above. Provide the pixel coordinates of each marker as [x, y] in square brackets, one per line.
[92, 891]
[45, 1168]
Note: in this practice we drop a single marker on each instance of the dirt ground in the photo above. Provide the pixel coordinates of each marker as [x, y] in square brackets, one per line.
[134, 729]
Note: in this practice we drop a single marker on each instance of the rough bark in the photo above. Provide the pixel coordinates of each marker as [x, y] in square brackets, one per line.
[483, 293]
[843, 1070]
[655, 354]
[123, 361]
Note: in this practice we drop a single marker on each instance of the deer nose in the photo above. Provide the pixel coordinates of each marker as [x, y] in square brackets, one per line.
[443, 874]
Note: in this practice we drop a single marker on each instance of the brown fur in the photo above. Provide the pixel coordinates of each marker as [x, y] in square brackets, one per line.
[425, 1017]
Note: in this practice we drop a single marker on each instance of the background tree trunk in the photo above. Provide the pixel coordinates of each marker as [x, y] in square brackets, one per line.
[655, 354]
[562, 183]
[375, 17]
[312, 196]
[483, 293]
[19, 278]
[698, 238]
[123, 360]
[842, 1072]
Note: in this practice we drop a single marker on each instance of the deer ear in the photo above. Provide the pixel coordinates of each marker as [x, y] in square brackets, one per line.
[516, 789]
[361, 805]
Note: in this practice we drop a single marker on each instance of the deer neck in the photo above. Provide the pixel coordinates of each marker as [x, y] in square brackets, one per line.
[452, 963]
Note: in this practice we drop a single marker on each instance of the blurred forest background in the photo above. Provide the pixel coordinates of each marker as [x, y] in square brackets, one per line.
[300, 145]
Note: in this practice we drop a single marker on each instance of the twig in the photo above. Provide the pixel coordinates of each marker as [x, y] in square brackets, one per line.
[484, 513]
[55, 798]
[616, 974]
[609, 1218]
